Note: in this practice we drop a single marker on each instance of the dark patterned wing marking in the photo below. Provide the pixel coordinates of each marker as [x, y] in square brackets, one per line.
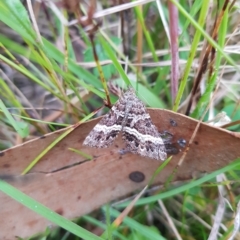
[104, 133]
[143, 138]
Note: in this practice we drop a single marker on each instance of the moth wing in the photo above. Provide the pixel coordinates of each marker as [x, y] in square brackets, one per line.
[104, 133]
[143, 138]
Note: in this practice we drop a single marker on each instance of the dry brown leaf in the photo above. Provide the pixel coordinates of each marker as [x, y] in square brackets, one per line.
[79, 189]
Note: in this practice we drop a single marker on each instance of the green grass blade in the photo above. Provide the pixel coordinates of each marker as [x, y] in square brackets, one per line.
[206, 35]
[46, 212]
[192, 54]
[211, 83]
[185, 187]
[140, 228]
[20, 127]
[113, 57]
[100, 224]
[57, 140]
[14, 14]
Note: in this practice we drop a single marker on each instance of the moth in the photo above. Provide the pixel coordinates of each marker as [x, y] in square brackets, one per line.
[128, 115]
